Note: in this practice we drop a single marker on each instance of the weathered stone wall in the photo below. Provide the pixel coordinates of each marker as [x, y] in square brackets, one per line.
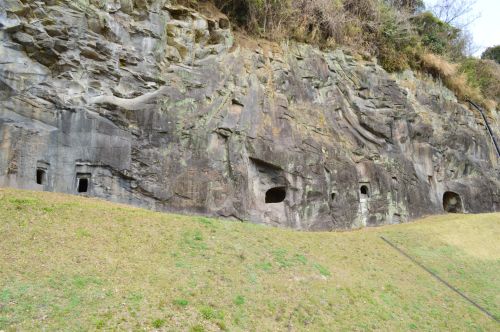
[162, 107]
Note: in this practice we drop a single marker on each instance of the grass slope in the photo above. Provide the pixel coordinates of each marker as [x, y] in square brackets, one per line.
[69, 263]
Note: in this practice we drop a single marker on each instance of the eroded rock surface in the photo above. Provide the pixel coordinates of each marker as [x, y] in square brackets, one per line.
[146, 103]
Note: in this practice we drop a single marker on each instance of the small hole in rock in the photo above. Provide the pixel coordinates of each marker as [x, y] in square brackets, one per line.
[332, 196]
[364, 191]
[276, 195]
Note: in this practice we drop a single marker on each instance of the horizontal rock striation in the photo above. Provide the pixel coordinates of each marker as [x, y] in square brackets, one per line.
[151, 104]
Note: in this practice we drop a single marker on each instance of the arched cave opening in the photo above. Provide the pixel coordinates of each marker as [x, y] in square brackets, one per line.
[275, 195]
[364, 191]
[332, 196]
[41, 176]
[452, 202]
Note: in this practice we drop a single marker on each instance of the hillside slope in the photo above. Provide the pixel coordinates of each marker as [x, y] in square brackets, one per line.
[71, 263]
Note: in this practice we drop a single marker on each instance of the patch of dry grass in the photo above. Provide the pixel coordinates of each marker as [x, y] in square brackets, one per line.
[70, 263]
[455, 80]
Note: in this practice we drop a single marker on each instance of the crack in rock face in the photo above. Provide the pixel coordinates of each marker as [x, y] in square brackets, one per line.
[163, 107]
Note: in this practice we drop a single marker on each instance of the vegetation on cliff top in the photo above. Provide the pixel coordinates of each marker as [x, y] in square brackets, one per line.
[401, 34]
[492, 53]
[71, 263]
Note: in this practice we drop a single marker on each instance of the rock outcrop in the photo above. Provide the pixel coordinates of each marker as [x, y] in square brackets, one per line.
[160, 106]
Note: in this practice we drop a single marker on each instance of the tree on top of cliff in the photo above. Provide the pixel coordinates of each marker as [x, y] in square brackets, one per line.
[492, 53]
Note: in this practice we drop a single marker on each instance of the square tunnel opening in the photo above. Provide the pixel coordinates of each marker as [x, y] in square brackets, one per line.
[83, 182]
[41, 176]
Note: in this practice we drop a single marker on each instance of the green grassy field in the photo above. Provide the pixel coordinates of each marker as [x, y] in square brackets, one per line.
[70, 263]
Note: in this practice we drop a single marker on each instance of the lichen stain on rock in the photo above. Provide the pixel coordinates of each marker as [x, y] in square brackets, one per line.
[162, 107]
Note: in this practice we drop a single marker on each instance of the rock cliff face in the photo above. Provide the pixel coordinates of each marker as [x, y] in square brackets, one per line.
[156, 105]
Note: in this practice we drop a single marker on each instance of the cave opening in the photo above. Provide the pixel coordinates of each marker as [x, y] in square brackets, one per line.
[452, 202]
[275, 195]
[83, 182]
[332, 196]
[40, 176]
[83, 185]
[365, 193]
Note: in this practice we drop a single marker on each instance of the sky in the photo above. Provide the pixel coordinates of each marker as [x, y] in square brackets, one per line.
[486, 29]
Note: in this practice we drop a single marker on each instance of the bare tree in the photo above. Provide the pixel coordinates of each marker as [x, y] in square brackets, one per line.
[470, 47]
[459, 13]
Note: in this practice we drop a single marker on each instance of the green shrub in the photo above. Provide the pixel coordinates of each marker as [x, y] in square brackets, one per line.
[439, 37]
[397, 41]
[484, 75]
[492, 53]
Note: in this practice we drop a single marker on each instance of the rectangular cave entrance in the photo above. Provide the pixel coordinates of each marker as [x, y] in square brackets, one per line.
[83, 182]
[41, 176]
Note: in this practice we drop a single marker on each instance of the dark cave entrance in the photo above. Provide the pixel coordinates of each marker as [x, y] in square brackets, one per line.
[452, 202]
[364, 191]
[41, 176]
[83, 185]
[83, 182]
[275, 195]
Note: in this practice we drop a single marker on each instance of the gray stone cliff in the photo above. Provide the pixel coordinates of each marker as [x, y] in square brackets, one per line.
[147, 103]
